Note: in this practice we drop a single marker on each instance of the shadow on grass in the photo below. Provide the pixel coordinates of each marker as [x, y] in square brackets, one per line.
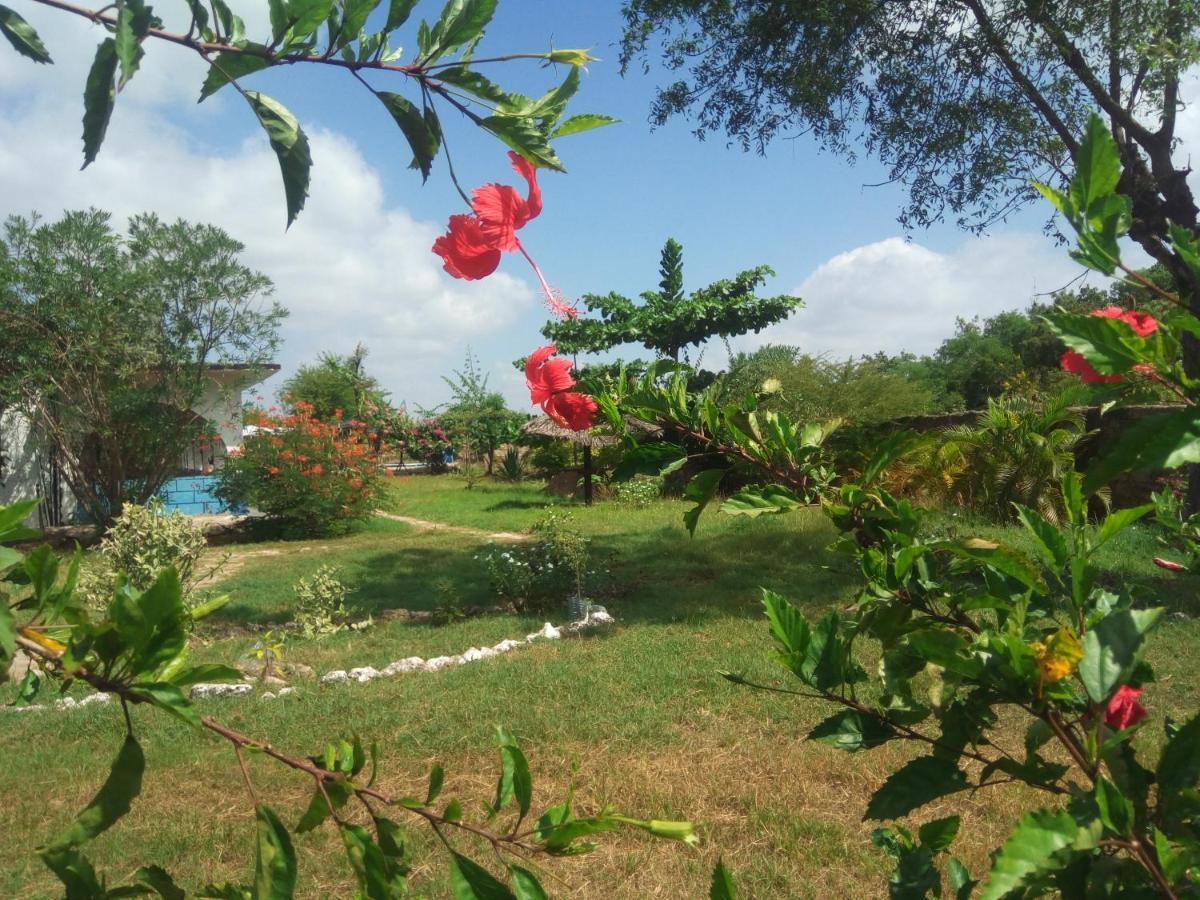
[548, 501]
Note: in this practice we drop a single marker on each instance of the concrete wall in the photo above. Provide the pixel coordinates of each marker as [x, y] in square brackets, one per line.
[25, 472]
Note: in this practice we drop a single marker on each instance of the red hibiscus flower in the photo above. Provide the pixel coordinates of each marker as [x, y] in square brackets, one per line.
[501, 210]
[1123, 710]
[1169, 564]
[467, 251]
[1075, 364]
[550, 382]
[1143, 324]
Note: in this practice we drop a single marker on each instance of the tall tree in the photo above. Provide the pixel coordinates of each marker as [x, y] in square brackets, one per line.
[108, 339]
[336, 387]
[668, 321]
[476, 416]
[966, 101]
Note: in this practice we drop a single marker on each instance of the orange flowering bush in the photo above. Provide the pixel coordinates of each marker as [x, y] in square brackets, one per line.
[313, 477]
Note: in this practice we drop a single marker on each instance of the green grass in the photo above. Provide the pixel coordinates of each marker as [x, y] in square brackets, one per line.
[642, 712]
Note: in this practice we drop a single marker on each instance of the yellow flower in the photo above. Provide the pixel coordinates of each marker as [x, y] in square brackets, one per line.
[1058, 656]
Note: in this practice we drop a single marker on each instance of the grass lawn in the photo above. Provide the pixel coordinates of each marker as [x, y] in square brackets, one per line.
[641, 713]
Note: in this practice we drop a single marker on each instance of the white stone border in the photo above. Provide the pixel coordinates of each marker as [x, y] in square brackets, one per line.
[596, 618]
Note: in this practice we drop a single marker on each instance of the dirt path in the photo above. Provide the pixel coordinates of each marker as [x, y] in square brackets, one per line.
[427, 525]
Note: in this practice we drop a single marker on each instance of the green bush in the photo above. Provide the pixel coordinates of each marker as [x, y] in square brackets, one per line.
[543, 573]
[142, 541]
[320, 603]
[551, 457]
[639, 492]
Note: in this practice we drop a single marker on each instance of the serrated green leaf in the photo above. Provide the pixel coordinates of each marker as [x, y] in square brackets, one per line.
[721, 886]
[99, 97]
[701, 490]
[23, 37]
[317, 812]
[307, 15]
[920, 781]
[437, 776]
[1112, 647]
[160, 881]
[133, 22]
[421, 138]
[1116, 812]
[939, 834]
[755, 501]
[168, 698]
[1030, 849]
[111, 802]
[851, 730]
[207, 673]
[515, 780]
[582, 122]
[1116, 522]
[525, 884]
[290, 144]
[354, 17]
[1048, 539]
[228, 66]
[275, 864]
[75, 872]
[525, 136]
[789, 628]
[478, 85]
[398, 13]
[960, 879]
[461, 22]
[368, 863]
[470, 881]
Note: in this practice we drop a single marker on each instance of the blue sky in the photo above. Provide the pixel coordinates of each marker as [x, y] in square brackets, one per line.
[357, 265]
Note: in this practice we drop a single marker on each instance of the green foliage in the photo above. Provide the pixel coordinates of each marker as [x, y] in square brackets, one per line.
[512, 464]
[311, 477]
[89, 313]
[639, 492]
[336, 388]
[137, 649]
[325, 33]
[542, 573]
[478, 420]
[667, 322]
[142, 541]
[320, 607]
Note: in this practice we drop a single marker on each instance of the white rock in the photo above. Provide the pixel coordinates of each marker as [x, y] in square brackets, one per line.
[549, 632]
[335, 677]
[363, 674]
[400, 666]
[600, 617]
[283, 692]
[507, 644]
[439, 662]
[472, 655]
[205, 691]
[266, 695]
[93, 699]
[485, 652]
[65, 703]
[33, 707]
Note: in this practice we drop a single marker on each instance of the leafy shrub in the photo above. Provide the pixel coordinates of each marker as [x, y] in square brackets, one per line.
[639, 492]
[426, 440]
[551, 457]
[314, 478]
[512, 465]
[544, 572]
[142, 541]
[320, 603]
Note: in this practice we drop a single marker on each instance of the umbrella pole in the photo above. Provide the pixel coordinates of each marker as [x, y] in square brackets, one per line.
[587, 475]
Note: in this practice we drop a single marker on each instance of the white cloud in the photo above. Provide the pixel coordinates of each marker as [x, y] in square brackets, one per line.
[894, 295]
[351, 268]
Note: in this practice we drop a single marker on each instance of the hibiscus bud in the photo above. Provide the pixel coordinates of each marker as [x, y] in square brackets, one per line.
[1123, 710]
[570, 57]
[1169, 565]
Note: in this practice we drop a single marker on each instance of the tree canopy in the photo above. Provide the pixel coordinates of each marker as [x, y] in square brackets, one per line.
[108, 338]
[336, 387]
[965, 101]
[667, 321]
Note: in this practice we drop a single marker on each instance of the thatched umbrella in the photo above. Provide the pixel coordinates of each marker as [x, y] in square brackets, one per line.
[547, 427]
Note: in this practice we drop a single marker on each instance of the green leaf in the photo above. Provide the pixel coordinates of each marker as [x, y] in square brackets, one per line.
[207, 673]
[275, 865]
[1097, 164]
[318, 807]
[960, 879]
[437, 775]
[1029, 850]
[789, 627]
[307, 16]
[23, 37]
[168, 698]
[159, 880]
[1179, 765]
[1048, 539]
[228, 66]
[582, 122]
[461, 22]
[1165, 440]
[1116, 812]
[481, 86]
[151, 623]
[525, 884]
[646, 459]
[8, 638]
[290, 144]
[422, 139]
[111, 802]
[939, 834]
[754, 501]
[851, 730]
[368, 862]
[1109, 345]
[133, 23]
[398, 13]
[892, 448]
[470, 881]
[921, 781]
[1116, 522]
[355, 13]
[75, 872]
[523, 134]
[701, 490]
[515, 779]
[1112, 647]
[1006, 560]
[721, 887]
[99, 97]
